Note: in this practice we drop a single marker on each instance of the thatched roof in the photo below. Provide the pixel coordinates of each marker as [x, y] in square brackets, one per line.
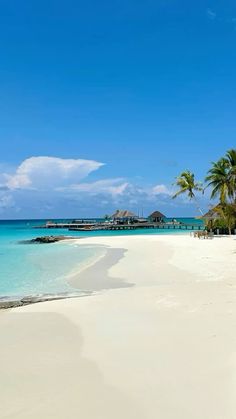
[123, 214]
[212, 213]
[157, 214]
[215, 213]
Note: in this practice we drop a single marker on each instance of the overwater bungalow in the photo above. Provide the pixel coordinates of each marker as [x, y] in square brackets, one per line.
[157, 217]
[124, 216]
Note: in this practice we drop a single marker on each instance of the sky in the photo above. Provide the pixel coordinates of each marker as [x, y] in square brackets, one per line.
[103, 104]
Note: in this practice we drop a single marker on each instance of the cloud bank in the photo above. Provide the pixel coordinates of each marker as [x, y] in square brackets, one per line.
[49, 172]
[43, 186]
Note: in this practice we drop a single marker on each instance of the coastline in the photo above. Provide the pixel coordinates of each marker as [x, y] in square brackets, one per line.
[81, 278]
[164, 347]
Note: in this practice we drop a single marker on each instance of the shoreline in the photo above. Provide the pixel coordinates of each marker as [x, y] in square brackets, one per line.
[79, 278]
[80, 274]
[19, 301]
[164, 347]
[83, 273]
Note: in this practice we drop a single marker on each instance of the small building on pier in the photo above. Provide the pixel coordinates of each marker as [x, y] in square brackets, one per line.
[157, 217]
[124, 216]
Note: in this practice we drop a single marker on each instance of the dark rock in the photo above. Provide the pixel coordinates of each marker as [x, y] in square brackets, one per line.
[11, 302]
[47, 239]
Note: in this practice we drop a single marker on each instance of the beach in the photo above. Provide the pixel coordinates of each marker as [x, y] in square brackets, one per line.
[154, 338]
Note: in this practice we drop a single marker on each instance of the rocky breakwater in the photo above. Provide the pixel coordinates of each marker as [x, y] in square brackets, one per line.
[47, 239]
[50, 239]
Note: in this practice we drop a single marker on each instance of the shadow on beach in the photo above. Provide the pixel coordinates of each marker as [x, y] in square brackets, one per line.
[97, 278]
[44, 373]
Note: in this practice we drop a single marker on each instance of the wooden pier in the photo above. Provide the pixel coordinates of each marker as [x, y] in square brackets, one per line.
[95, 226]
[139, 226]
[67, 225]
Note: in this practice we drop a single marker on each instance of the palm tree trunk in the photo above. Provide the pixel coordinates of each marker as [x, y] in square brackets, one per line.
[198, 208]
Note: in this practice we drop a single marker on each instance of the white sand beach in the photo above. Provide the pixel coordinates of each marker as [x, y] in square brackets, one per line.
[156, 339]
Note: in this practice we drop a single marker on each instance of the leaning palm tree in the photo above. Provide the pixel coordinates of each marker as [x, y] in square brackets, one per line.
[187, 185]
[230, 162]
[218, 179]
[222, 178]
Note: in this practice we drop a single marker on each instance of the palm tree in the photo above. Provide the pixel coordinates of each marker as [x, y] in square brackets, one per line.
[187, 185]
[222, 178]
[227, 213]
[218, 179]
[230, 161]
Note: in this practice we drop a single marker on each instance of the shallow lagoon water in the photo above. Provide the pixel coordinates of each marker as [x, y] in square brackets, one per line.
[30, 269]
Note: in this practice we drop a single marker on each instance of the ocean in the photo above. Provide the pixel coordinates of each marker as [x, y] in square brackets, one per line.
[32, 269]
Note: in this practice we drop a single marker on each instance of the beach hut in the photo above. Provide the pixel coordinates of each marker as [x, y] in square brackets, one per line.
[211, 215]
[157, 217]
[124, 216]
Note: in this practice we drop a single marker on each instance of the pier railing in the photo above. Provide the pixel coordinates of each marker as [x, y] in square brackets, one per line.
[125, 226]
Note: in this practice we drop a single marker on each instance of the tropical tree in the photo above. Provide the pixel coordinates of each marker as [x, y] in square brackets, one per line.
[227, 216]
[187, 185]
[222, 178]
[230, 161]
[218, 179]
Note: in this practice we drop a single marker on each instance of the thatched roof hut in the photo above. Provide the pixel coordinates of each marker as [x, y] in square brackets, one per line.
[220, 211]
[157, 217]
[212, 214]
[123, 214]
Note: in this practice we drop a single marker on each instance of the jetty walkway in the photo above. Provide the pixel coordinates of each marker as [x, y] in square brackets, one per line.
[123, 226]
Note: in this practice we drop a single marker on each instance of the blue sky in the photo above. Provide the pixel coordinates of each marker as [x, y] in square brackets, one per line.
[145, 87]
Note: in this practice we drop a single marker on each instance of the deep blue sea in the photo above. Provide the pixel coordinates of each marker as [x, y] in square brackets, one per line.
[30, 269]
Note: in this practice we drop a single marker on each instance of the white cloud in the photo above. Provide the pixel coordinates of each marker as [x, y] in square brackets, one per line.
[113, 187]
[51, 186]
[50, 172]
[221, 17]
[160, 190]
[211, 14]
[6, 201]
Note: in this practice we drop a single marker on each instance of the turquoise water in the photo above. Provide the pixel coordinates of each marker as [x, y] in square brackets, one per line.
[30, 269]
